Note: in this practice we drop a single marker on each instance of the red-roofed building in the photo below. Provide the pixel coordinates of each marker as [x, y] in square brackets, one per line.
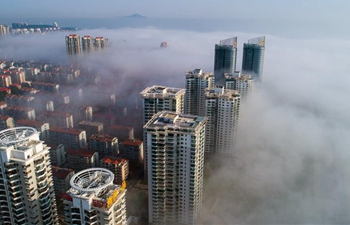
[57, 154]
[69, 137]
[20, 112]
[118, 166]
[80, 159]
[104, 144]
[121, 132]
[6, 122]
[132, 150]
[60, 119]
[61, 178]
[5, 81]
[40, 126]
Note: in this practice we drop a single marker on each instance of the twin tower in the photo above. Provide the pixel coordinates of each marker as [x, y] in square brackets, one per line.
[226, 58]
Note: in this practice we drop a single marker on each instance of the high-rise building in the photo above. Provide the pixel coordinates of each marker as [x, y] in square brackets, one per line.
[175, 151]
[94, 199]
[4, 30]
[196, 83]
[118, 166]
[158, 98]
[73, 45]
[242, 83]
[222, 110]
[253, 57]
[100, 43]
[87, 43]
[225, 59]
[26, 186]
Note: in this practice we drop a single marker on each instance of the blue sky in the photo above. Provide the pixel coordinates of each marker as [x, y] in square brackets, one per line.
[335, 10]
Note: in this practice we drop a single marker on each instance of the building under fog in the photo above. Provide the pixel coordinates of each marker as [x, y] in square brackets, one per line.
[242, 83]
[87, 43]
[73, 44]
[196, 83]
[222, 110]
[225, 59]
[175, 152]
[26, 186]
[253, 57]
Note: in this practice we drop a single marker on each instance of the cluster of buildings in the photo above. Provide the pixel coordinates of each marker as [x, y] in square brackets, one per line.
[25, 28]
[184, 127]
[72, 137]
[75, 45]
[53, 149]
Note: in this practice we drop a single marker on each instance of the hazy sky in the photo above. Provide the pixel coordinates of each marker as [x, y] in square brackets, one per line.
[335, 10]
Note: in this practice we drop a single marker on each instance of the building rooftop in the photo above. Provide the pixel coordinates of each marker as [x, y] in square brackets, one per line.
[81, 152]
[61, 172]
[257, 41]
[134, 142]
[90, 123]
[56, 114]
[198, 73]
[103, 138]
[157, 91]
[31, 123]
[113, 160]
[175, 121]
[120, 127]
[66, 130]
[229, 42]
[220, 92]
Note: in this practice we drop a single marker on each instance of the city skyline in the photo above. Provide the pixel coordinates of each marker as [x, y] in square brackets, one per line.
[291, 159]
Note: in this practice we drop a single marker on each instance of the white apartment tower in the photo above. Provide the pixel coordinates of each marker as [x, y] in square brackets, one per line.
[26, 187]
[175, 151]
[93, 199]
[222, 110]
[242, 83]
[196, 83]
[158, 98]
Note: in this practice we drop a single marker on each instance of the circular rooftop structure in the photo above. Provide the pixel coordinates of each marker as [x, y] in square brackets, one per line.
[92, 180]
[13, 136]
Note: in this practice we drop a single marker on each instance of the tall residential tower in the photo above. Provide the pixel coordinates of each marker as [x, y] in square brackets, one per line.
[94, 199]
[196, 83]
[73, 45]
[26, 187]
[253, 57]
[222, 110]
[87, 43]
[175, 152]
[225, 59]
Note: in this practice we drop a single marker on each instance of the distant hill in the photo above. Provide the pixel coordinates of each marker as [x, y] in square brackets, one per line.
[137, 16]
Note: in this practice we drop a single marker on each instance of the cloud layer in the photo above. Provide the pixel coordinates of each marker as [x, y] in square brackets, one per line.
[292, 161]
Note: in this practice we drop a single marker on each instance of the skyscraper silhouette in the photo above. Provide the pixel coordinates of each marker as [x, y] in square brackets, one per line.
[225, 59]
[253, 57]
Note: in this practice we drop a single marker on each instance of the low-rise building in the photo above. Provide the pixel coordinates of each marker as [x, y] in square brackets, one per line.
[42, 127]
[69, 137]
[61, 178]
[6, 122]
[80, 159]
[118, 166]
[57, 155]
[91, 127]
[20, 112]
[121, 132]
[58, 119]
[132, 150]
[104, 144]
